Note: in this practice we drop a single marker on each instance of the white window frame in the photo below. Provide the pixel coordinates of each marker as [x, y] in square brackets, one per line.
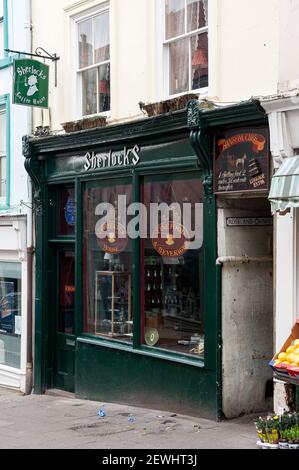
[76, 19]
[165, 56]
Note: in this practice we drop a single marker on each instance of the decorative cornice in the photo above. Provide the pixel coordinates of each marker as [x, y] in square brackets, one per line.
[193, 119]
[247, 112]
[26, 146]
[202, 145]
[33, 169]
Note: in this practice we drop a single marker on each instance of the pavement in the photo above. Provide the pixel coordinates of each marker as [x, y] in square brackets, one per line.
[60, 421]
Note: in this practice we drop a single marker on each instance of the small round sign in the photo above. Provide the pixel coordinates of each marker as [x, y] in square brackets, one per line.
[151, 336]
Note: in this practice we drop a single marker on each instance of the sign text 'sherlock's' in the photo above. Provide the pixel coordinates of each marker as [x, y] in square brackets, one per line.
[111, 159]
[31, 70]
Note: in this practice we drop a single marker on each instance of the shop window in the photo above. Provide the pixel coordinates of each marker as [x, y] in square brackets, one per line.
[107, 262]
[10, 314]
[173, 267]
[94, 62]
[186, 42]
[3, 152]
[65, 197]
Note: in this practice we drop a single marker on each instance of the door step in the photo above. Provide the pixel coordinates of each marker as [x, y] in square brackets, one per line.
[55, 392]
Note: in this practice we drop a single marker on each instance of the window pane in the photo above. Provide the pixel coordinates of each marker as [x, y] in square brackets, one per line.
[175, 18]
[101, 37]
[10, 314]
[197, 14]
[2, 132]
[65, 197]
[66, 314]
[2, 177]
[107, 264]
[172, 283]
[178, 65]
[104, 88]
[85, 43]
[200, 54]
[89, 92]
[1, 40]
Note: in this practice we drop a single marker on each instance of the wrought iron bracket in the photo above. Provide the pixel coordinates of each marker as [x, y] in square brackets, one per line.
[42, 54]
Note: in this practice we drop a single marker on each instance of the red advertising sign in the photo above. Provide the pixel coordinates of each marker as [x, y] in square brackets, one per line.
[241, 161]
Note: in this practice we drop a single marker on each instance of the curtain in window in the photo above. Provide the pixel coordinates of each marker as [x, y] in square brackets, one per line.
[179, 66]
[101, 38]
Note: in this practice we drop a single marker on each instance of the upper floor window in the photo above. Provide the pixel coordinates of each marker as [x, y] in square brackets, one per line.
[3, 147]
[94, 62]
[186, 40]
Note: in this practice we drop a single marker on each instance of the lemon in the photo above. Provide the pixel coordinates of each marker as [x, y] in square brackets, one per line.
[291, 357]
[296, 352]
[296, 360]
[282, 356]
[290, 349]
[296, 343]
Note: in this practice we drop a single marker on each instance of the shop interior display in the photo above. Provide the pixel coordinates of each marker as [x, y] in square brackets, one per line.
[172, 307]
[113, 304]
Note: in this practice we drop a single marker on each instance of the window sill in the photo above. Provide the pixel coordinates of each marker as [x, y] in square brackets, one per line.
[199, 92]
[170, 105]
[143, 351]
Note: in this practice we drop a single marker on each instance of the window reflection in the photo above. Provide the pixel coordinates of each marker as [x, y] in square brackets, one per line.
[173, 315]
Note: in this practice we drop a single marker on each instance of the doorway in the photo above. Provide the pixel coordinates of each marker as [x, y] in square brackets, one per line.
[64, 337]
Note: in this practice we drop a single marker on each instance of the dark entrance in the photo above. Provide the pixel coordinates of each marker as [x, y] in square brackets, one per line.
[65, 340]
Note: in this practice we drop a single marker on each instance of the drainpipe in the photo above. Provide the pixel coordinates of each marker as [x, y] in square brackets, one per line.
[30, 248]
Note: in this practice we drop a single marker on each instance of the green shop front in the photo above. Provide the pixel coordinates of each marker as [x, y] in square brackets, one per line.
[124, 312]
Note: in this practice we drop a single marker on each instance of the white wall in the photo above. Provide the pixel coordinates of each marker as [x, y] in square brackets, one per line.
[289, 40]
[132, 55]
[244, 37]
[248, 42]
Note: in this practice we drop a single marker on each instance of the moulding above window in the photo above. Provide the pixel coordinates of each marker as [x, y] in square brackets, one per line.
[84, 3]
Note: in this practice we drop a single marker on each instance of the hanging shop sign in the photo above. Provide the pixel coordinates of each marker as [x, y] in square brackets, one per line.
[121, 158]
[170, 240]
[241, 160]
[31, 83]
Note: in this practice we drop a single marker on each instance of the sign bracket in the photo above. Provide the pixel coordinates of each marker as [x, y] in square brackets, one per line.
[41, 53]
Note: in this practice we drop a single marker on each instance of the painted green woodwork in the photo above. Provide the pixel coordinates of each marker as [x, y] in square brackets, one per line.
[106, 370]
[5, 103]
[142, 379]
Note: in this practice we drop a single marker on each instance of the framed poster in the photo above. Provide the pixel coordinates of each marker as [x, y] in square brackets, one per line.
[8, 305]
[242, 160]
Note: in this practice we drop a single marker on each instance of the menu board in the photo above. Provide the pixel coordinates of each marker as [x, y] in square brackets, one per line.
[241, 160]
